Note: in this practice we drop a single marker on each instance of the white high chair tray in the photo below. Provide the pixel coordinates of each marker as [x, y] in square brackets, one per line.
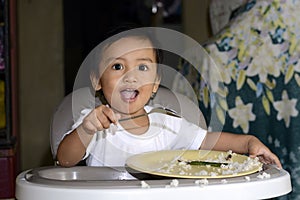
[93, 183]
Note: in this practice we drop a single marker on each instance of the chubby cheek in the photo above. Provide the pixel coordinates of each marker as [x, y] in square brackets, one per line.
[111, 94]
[146, 91]
[109, 89]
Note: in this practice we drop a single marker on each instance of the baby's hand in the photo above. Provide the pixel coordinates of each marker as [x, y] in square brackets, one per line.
[258, 149]
[100, 118]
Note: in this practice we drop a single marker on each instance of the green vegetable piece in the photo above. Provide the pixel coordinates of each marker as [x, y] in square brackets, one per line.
[197, 162]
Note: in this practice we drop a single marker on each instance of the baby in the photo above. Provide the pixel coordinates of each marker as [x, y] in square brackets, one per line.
[127, 78]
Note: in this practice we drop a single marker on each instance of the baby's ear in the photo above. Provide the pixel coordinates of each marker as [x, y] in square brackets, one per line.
[95, 81]
[156, 84]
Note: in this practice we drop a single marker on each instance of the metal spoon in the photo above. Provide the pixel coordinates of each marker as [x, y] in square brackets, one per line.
[163, 110]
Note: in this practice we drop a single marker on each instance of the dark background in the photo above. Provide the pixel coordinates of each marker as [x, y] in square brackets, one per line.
[86, 22]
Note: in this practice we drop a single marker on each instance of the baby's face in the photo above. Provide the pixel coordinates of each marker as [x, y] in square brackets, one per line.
[130, 75]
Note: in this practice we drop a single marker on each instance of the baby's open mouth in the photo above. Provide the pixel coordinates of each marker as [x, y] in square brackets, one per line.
[129, 95]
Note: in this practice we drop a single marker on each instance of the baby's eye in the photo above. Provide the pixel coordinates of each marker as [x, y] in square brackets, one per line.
[118, 66]
[143, 67]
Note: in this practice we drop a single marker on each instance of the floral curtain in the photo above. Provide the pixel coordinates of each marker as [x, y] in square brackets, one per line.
[258, 59]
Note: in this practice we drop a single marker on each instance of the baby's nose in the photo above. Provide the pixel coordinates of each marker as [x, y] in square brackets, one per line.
[130, 76]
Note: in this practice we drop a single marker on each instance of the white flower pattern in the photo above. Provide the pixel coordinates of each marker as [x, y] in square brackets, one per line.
[286, 108]
[242, 114]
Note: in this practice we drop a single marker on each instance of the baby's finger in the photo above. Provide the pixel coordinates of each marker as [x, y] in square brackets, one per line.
[110, 114]
[269, 159]
[90, 127]
[104, 120]
[276, 161]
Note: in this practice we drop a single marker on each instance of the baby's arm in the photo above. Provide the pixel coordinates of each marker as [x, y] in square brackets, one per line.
[73, 147]
[243, 144]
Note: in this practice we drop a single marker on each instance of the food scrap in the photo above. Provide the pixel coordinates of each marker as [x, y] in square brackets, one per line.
[223, 164]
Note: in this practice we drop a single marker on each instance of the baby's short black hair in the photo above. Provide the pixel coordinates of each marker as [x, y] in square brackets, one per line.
[133, 30]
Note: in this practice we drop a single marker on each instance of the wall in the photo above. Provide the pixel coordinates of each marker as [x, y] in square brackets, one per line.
[40, 76]
[196, 19]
